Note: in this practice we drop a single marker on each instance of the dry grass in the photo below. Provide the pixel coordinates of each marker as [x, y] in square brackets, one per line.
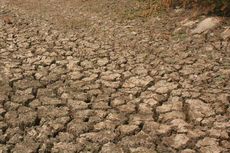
[220, 7]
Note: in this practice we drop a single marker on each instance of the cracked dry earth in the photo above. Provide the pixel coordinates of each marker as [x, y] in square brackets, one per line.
[110, 85]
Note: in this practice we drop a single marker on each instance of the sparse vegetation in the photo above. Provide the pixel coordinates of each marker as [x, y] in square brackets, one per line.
[219, 7]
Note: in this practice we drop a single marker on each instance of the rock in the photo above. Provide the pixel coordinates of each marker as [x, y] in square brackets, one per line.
[206, 24]
[226, 34]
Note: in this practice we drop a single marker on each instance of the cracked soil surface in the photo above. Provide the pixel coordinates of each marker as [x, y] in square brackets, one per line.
[76, 77]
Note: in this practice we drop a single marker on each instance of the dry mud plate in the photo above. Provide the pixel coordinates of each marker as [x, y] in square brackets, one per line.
[82, 77]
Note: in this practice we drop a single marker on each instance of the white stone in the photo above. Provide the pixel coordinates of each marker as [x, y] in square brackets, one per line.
[206, 24]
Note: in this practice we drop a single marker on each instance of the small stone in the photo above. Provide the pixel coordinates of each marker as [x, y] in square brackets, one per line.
[206, 24]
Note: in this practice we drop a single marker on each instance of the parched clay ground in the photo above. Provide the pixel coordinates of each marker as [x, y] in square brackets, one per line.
[81, 76]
